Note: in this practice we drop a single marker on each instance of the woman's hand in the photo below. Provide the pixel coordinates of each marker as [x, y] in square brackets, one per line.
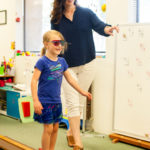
[88, 95]
[38, 107]
[109, 30]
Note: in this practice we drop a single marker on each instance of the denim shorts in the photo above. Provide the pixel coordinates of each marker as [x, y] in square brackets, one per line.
[51, 113]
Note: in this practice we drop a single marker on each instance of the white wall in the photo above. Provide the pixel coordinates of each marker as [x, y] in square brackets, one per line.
[104, 82]
[8, 31]
[12, 31]
[20, 25]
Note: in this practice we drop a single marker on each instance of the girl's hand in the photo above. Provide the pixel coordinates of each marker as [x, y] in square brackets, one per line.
[88, 95]
[109, 30]
[38, 107]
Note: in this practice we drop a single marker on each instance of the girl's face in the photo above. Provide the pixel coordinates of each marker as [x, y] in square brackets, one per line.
[69, 2]
[54, 46]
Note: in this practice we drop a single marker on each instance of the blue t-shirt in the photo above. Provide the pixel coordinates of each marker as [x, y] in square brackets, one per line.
[78, 33]
[49, 86]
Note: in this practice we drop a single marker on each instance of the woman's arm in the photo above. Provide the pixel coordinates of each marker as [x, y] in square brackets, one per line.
[101, 27]
[75, 85]
[37, 105]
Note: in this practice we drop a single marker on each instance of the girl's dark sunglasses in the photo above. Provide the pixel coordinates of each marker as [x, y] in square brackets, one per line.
[58, 42]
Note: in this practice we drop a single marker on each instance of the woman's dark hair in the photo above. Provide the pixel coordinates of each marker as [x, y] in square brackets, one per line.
[58, 10]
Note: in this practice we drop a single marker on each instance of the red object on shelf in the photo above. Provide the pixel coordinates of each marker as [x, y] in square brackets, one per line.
[9, 80]
[18, 51]
[26, 109]
[2, 83]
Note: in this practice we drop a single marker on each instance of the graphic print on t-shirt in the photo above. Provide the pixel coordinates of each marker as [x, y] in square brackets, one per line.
[55, 72]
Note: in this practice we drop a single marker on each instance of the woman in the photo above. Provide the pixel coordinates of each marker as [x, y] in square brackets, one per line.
[76, 25]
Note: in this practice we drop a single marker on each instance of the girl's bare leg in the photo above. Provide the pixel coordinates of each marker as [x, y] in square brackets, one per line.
[54, 136]
[46, 137]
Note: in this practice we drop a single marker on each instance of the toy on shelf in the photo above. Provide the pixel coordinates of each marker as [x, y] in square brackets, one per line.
[27, 53]
[13, 45]
[1, 70]
[18, 52]
[2, 83]
[33, 55]
[23, 53]
[7, 68]
[4, 64]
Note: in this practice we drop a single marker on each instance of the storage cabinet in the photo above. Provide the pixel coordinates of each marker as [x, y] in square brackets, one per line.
[12, 104]
[2, 102]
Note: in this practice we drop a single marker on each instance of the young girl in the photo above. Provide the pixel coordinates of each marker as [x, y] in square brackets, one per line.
[48, 74]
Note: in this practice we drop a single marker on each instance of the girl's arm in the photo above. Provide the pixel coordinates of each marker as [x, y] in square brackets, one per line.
[37, 105]
[75, 85]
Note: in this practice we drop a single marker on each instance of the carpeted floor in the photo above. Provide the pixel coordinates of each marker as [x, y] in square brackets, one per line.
[30, 134]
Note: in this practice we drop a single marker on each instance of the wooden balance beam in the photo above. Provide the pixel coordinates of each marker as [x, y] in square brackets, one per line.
[117, 137]
[10, 144]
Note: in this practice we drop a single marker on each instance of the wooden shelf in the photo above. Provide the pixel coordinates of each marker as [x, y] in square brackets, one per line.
[8, 76]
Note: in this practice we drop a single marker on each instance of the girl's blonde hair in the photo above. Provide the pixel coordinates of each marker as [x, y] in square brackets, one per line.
[47, 38]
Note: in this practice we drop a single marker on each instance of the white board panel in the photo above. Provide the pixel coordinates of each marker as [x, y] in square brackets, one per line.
[132, 81]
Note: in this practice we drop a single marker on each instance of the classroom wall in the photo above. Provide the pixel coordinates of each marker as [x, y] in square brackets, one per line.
[104, 82]
[8, 31]
[12, 31]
